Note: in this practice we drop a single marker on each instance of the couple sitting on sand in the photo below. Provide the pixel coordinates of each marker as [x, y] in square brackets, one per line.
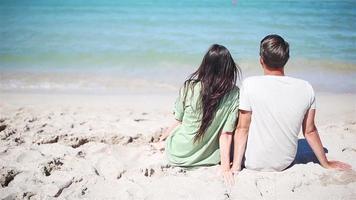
[270, 111]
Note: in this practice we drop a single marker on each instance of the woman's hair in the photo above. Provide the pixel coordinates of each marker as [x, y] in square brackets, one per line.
[217, 74]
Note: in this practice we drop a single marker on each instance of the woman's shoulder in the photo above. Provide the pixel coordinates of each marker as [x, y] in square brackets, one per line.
[234, 93]
[191, 85]
[232, 97]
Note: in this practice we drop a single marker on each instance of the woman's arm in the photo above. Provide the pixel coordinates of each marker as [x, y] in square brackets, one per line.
[225, 146]
[169, 130]
[161, 144]
[240, 139]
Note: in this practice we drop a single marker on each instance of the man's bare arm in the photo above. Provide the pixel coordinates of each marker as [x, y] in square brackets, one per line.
[240, 139]
[311, 135]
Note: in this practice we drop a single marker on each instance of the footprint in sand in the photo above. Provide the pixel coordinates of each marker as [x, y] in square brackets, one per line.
[348, 149]
[109, 168]
[3, 127]
[54, 164]
[7, 175]
[48, 139]
[27, 195]
[7, 132]
[340, 178]
[265, 187]
[148, 172]
[31, 119]
[19, 140]
[81, 154]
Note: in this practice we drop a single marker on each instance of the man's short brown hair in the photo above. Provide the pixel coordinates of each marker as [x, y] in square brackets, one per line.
[274, 51]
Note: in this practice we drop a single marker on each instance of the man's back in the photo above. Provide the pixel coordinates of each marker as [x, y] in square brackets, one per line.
[272, 110]
[278, 105]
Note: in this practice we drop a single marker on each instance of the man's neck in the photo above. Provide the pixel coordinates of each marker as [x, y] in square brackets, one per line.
[273, 72]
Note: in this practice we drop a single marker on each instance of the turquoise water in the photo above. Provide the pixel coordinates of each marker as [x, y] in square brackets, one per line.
[143, 38]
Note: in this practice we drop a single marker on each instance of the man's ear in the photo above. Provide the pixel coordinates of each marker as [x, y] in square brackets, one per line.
[262, 63]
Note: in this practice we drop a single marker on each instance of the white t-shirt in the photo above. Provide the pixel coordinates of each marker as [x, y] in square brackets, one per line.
[278, 105]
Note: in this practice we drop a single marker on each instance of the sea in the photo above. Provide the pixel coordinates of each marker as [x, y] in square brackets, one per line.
[113, 46]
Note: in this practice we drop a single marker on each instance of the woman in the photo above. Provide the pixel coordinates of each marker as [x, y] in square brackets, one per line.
[205, 113]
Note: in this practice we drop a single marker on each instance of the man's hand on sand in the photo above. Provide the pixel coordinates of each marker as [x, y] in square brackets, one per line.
[338, 165]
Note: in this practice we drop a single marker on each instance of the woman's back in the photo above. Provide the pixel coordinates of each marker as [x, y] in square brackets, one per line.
[180, 146]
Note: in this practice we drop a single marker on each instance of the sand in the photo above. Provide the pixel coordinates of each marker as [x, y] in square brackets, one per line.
[61, 146]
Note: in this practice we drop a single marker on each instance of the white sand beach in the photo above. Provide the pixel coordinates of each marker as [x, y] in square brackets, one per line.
[61, 146]
[86, 88]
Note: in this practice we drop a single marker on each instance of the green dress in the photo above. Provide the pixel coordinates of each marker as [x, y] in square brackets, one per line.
[180, 147]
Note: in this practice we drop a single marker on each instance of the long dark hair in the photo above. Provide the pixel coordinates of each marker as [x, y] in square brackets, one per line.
[217, 74]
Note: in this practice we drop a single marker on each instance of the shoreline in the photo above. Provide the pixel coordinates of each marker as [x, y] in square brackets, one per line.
[324, 76]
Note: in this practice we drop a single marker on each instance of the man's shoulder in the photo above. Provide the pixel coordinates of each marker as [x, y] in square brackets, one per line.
[253, 83]
[258, 83]
[252, 79]
[262, 78]
[302, 82]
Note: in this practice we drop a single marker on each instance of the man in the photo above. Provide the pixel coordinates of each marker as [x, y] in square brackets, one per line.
[272, 110]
